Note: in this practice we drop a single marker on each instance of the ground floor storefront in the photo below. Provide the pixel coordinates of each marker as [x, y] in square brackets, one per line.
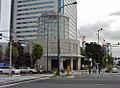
[69, 54]
[52, 63]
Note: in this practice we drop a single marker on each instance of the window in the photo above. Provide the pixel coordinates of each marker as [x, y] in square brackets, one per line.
[43, 7]
[49, 2]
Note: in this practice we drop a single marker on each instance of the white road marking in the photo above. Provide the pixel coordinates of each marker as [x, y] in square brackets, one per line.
[23, 82]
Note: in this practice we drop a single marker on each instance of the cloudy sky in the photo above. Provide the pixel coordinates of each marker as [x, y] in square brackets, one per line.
[92, 15]
[5, 15]
[96, 14]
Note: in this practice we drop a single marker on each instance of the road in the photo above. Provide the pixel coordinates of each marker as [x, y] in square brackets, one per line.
[79, 81]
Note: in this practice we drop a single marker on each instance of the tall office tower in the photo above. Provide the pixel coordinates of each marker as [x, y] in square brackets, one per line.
[71, 12]
[25, 14]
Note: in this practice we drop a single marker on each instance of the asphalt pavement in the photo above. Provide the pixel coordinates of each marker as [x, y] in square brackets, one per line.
[7, 79]
[77, 80]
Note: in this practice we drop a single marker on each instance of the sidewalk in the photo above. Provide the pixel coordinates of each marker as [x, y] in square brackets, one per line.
[19, 78]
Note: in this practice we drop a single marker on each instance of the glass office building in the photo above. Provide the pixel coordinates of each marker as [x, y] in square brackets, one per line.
[25, 14]
[48, 22]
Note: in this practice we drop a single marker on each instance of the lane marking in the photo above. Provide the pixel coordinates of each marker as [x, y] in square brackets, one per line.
[8, 85]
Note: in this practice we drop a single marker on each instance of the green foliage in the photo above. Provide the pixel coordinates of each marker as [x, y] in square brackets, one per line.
[19, 57]
[15, 54]
[37, 52]
[110, 60]
[21, 60]
[94, 51]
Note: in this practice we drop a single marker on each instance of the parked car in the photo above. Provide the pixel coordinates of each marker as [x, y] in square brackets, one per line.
[6, 70]
[115, 70]
[27, 70]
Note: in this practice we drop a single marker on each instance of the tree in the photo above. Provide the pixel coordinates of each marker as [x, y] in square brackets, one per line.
[21, 59]
[37, 52]
[94, 51]
[15, 55]
[110, 60]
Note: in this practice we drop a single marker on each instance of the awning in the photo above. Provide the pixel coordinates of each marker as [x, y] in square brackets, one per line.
[65, 55]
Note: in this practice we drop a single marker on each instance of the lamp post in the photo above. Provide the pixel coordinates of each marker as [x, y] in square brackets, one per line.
[98, 34]
[99, 50]
[58, 35]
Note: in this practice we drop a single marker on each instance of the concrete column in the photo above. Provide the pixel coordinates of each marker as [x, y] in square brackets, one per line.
[60, 63]
[49, 64]
[72, 63]
[79, 63]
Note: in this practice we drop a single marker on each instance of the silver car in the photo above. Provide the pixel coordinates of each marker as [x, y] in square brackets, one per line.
[6, 70]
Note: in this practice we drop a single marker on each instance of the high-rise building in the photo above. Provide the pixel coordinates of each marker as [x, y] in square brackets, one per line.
[25, 14]
[37, 21]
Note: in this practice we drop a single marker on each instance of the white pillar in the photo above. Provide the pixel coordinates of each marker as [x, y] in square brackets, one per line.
[49, 65]
[60, 63]
[72, 63]
[79, 63]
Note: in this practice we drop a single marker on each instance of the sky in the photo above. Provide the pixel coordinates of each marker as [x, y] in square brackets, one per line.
[5, 19]
[96, 14]
[92, 15]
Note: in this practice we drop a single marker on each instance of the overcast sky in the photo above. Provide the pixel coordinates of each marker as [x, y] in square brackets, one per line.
[92, 15]
[5, 18]
[96, 14]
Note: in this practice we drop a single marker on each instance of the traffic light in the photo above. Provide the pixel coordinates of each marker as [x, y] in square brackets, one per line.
[0, 35]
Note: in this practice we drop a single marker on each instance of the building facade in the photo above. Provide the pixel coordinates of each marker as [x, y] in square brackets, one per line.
[69, 56]
[33, 19]
[48, 22]
[25, 13]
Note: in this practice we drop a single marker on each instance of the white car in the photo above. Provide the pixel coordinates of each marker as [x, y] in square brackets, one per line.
[27, 70]
[6, 70]
[115, 70]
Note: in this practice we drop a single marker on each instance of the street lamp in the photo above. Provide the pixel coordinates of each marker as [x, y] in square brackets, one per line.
[98, 34]
[58, 35]
[98, 44]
